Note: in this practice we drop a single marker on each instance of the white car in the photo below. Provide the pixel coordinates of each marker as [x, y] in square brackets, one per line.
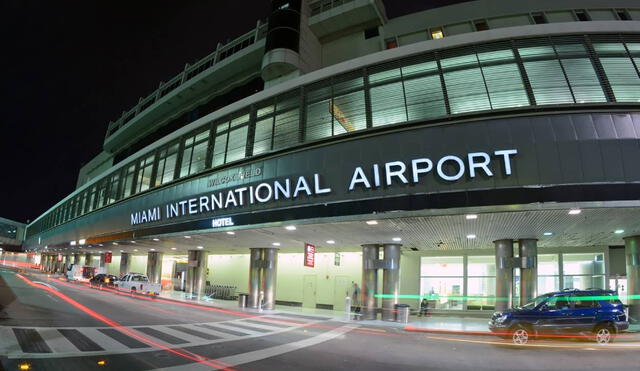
[80, 273]
[138, 283]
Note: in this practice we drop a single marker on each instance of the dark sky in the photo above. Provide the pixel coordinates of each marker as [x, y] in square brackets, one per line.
[72, 66]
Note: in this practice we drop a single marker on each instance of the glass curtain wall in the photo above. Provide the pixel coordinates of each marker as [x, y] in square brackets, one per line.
[583, 271]
[518, 73]
[481, 282]
[442, 281]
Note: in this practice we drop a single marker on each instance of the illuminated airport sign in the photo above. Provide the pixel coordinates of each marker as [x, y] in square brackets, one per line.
[309, 255]
[447, 169]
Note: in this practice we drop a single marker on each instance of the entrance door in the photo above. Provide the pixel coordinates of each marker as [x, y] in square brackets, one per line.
[309, 291]
[340, 292]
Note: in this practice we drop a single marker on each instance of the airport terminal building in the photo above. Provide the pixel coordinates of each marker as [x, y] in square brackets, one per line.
[477, 154]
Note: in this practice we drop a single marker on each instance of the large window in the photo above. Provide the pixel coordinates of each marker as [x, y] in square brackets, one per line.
[548, 273]
[167, 159]
[583, 271]
[145, 168]
[442, 280]
[194, 153]
[481, 282]
[623, 75]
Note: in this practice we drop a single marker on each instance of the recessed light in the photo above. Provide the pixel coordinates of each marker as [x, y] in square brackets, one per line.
[471, 216]
[276, 244]
[173, 248]
[133, 241]
[187, 236]
[619, 231]
[152, 249]
[100, 244]
[331, 242]
[114, 243]
[290, 228]
[135, 250]
[372, 222]
[397, 239]
[156, 239]
[548, 233]
[471, 236]
[200, 247]
[231, 232]
[121, 250]
[574, 211]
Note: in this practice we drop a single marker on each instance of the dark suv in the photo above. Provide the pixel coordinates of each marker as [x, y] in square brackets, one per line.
[591, 312]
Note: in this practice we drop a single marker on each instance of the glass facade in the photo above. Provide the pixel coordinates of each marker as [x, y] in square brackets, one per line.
[436, 85]
[469, 282]
[8, 230]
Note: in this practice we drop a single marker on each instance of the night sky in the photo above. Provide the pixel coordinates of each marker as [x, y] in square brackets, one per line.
[70, 67]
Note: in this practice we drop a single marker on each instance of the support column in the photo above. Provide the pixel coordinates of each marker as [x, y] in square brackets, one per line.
[528, 254]
[269, 272]
[125, 261]
[504, 274]
[87, 259]
[369, 281]
[632, 253]
[154, 266]
[255, 257]
[390, 280]
[76, 258]
[196, 270]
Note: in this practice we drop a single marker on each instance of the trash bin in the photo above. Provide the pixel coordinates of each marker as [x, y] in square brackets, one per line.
[402, 313]
[243, 299]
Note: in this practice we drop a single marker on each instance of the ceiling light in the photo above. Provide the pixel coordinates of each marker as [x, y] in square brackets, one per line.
[471, 216]
[133, 241]
[152, 249]
[276, 244]
[290, 228]
[156, 239]
[115, 243]
[135, 250]
[200, 247]
[187, 236]
[619, 231]
[331, 242]
[82, 241]
[471, 236]
[231, 232]
[397, 239]
[121, 250]
[100, 244]
[372, 222]
[574, 211]
[548, 233]
[173, 248]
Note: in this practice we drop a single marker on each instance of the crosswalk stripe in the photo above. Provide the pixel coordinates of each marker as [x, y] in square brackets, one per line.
[161, 335]
[8, 341]
[258, 326]
[236, 329]
[248, 327]
[126, 340]
[274, 322]
[56, 341]
[81, 341]
[194, 332]
[107, 342]
[222, 332]
[186, 337]
[30, 341]
[301, 316]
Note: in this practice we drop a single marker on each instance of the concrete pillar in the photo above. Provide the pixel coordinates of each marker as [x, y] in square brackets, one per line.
[87, 259]
[255, 257]
[369, 281]
[196, 272]
[504, 274]
[528, 256]
[632, 253]
[76, 258]
[390, 280]
[125, 262]
[269, 272]
[154, 266]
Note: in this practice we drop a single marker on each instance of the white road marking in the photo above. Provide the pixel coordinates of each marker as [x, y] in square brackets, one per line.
[56, 341]
[8, 341]
[261, 354]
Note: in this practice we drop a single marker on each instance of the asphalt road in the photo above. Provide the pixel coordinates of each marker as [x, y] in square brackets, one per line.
[72, 327]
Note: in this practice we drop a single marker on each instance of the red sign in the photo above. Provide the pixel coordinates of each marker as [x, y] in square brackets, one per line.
[309, 255]
[107, 257]
[59, 257]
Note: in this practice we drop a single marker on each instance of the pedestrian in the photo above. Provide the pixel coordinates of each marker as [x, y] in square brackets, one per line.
[355, 294]
[424, 308]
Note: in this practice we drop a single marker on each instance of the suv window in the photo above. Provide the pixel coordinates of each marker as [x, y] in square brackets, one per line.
[126, 277]
[581, 301]
[559, 302]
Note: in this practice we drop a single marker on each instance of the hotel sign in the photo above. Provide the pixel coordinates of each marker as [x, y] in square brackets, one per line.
[309, 255]
[448, 169]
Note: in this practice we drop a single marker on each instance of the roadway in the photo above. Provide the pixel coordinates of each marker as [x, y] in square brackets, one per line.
[51, 324]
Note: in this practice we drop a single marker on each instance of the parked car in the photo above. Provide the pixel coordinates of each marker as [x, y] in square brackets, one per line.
[103, 280]
[138, 283]
[595, 313]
